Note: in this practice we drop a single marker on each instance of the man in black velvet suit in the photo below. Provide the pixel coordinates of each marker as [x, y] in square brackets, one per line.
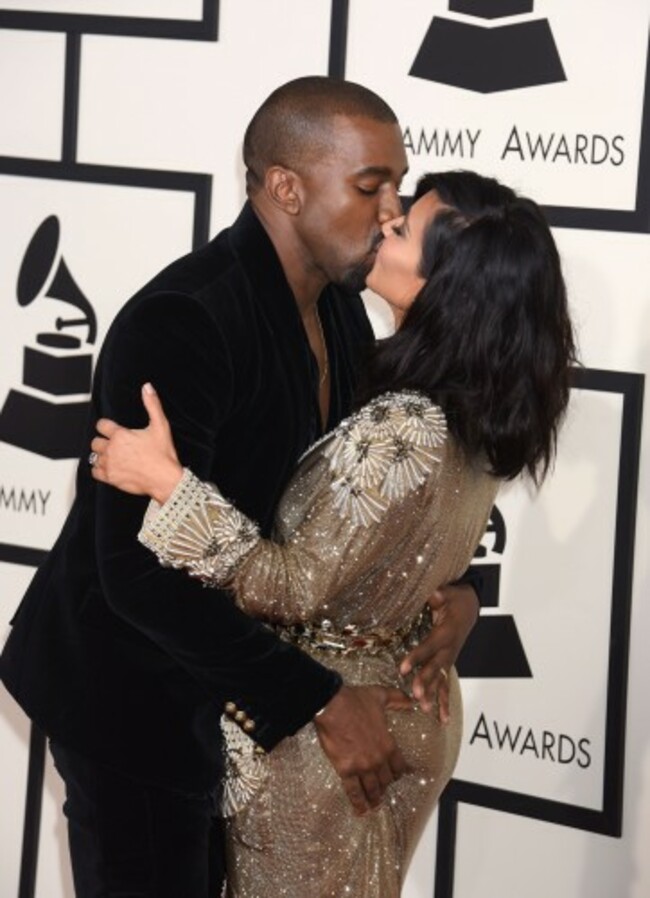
[128, 667]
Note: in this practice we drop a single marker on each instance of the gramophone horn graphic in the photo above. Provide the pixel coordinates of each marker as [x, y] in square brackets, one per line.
[489, 58]
[44, 418]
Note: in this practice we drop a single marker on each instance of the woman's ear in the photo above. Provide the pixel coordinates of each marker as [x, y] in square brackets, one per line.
[283, 187]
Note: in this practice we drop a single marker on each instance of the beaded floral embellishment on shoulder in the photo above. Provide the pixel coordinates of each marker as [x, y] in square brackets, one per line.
[383, 452]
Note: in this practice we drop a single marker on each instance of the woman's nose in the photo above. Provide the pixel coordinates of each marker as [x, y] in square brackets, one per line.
[388, 227]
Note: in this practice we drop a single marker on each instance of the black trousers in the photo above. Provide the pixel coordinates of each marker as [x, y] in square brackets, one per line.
[136, 841]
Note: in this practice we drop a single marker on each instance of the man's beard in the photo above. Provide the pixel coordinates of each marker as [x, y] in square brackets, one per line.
[354, 279]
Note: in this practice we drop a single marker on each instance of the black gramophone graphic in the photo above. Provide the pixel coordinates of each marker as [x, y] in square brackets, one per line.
[489, 59]
[56, 366]
[494, 647]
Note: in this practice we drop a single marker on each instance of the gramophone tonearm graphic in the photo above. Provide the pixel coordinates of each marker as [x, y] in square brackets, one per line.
[55, 366]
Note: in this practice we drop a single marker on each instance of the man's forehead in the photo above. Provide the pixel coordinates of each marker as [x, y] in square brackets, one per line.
[368, 146]
[379, 171]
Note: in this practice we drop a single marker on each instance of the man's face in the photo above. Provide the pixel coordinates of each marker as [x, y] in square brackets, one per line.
[349, 192]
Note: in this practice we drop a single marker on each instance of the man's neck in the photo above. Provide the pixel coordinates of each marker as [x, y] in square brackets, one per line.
[305, 281]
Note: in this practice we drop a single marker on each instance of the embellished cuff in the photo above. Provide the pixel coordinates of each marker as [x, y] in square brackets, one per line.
[198, 530]
[246, 768]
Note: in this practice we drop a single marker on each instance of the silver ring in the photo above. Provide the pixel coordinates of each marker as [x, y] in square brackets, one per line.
[92, 459]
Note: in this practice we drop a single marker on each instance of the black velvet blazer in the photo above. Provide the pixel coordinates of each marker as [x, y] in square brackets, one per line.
[129, 663]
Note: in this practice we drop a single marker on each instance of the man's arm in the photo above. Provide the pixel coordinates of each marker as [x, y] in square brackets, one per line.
[454, 611]
[174, 343]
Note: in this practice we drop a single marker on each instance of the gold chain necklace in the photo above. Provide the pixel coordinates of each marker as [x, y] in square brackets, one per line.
[326, 366]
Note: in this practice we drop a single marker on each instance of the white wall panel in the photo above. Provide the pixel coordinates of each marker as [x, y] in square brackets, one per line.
[181, 105]
[31, 94]
[156, 112]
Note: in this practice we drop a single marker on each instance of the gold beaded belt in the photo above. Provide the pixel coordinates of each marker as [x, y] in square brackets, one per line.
[353, 639]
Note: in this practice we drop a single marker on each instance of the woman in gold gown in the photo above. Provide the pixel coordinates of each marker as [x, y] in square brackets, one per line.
[384, 509]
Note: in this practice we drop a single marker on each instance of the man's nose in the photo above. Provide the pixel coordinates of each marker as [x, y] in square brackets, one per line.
[387, 227]
[390, 206]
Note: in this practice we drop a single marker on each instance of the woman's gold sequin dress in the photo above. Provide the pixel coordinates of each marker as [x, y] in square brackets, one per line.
[379, 513]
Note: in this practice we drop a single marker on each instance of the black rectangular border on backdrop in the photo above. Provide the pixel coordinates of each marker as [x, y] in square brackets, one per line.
[607, 820]
[203, 29]
[634, 221]
[200, 186]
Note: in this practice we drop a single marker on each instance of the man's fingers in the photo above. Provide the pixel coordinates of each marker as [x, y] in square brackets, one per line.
[354, 735]
[106, 427]
[427, 673]
[430, 681]
[443, 701]
[385, 775]
[430, 685]
[373, 788]
[454, 610]
[436, 601]
[398, 764]
[396, 700]
[437, 689]
[424, 652]
[367, 790]
[356, 794]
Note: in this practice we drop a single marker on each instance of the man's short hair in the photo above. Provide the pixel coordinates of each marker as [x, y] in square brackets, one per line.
[295, 122]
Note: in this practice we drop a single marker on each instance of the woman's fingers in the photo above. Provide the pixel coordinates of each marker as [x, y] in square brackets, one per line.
[159, 431]
[98, 445]
[106, 427]
[97, 473]
[141, 461]
[153, 405]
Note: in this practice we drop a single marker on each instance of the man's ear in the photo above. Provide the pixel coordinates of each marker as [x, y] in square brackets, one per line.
[284, 189]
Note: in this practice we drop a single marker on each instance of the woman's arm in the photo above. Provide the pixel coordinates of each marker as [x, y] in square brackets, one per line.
[351, 726]
[372, 468]
[145, 462]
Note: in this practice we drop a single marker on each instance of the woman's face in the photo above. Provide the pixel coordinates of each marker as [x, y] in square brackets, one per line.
[396, 273]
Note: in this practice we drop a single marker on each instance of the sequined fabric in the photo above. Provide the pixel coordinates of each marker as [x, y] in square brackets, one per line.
[198, 530]
[379, 513]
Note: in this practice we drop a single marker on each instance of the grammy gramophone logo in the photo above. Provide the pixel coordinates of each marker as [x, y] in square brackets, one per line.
[43, 417]
[489, 58]
[494, 647]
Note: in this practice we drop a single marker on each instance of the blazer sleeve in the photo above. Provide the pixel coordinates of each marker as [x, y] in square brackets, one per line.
[172, 341]
[366, 473]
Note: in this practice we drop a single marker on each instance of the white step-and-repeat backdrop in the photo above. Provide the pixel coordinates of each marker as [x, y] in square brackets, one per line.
[120, 141]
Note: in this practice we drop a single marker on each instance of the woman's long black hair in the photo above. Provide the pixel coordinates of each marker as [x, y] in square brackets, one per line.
[488, 337]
